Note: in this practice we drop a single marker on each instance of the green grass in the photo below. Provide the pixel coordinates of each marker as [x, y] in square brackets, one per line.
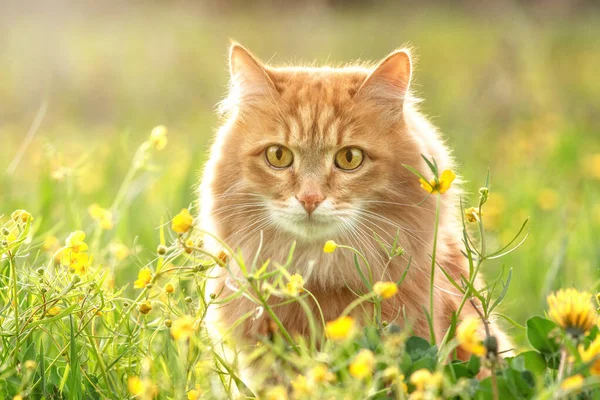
[517, 96]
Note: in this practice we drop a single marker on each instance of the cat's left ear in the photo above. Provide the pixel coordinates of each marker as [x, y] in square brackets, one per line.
[390, 79]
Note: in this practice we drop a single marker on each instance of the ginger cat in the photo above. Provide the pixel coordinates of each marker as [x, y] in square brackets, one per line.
[313, 154]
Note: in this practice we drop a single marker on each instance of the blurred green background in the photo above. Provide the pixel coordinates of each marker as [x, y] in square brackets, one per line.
[515, 87]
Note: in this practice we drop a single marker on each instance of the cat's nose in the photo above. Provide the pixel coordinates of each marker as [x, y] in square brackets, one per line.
[310, 201]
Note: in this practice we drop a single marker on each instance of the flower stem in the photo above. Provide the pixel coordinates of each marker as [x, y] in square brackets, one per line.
[15, 287]
[432, 277]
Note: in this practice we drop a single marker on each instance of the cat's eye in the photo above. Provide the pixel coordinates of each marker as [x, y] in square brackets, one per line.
[349, 158]
[279, 156]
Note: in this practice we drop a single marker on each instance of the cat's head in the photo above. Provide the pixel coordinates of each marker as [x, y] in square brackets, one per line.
[313, 152]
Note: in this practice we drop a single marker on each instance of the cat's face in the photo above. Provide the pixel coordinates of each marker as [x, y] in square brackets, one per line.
[313, 152]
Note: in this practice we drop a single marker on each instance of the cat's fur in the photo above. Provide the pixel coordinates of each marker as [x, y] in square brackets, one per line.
[315, 112]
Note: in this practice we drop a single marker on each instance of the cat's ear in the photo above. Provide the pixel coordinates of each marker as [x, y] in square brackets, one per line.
[248, 73]
[390, 79]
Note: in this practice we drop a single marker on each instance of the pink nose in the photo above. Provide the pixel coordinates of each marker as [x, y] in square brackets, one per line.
[310, 201]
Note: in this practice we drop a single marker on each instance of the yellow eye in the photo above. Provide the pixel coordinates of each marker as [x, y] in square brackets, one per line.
[349, 158]
[279, 156]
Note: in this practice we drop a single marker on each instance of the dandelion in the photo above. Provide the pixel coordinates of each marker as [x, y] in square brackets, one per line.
[572, 383]
[295, 286]
[144, 278]
[182, 222]
[385, 289]
[340, 329]
[21, 216]
[142, 388]
[592, 353]
[183, 328]
[145, 307]
[330, 246]
[468, 336]
[441, 185]
[472, 214]
[101, 215]
[158, 137]
[572, 310]
[363, 364]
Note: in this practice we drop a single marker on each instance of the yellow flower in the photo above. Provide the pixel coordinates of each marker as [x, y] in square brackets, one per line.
[592, 165]
[54, 311]
[77, 262]
[295, 286]
[182, 222]
[320, 374]
[591, 353]
[572, 383]
[183, 328]
[472, 214]
[423, 378]
[21, 216]
[103, 216]
[145, 307]
[17, 397]
[468, 336]
[385, 289]
[222, 256]
[144, 278]
[440, 186]
[572, 310]
[142, 388]
[363, 364]
[193, 394]
[392, 375]
[547, 199]
[50, 243]
[340, 329]
[158, 137]
[301, 386]
[330, 246]
[277, 393]
[75, 242]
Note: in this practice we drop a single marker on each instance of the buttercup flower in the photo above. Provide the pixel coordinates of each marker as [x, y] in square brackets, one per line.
[385, 289]
[301, 386]
[182, 222]
[468, 336]
[472, 214]
[75, 242]
[119, 250]
[340, 329]
[277, 393]
[21, 216]
[440, 186]
[423, 378]
[144, 278]
[572, 310]
[101, 215]
[193, 394]
[51, 312]
[572, 383]
[79, 262]
[145, 307]
[158, 137]
[591, 353]
[330, 246]
[183, 328]
[295, 286]
[362, 365]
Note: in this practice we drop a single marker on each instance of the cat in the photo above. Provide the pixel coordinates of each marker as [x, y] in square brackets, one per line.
[310, 154]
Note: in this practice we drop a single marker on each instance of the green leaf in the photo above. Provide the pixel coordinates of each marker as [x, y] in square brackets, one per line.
[417, 347]
[474, 365]
[529, 361]
[539, 335]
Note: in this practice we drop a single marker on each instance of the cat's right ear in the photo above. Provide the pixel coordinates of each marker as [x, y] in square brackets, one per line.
[248, 75]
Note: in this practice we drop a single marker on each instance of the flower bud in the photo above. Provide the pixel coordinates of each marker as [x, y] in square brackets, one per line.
[188, 299]
[168, 323]
[161, 250]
